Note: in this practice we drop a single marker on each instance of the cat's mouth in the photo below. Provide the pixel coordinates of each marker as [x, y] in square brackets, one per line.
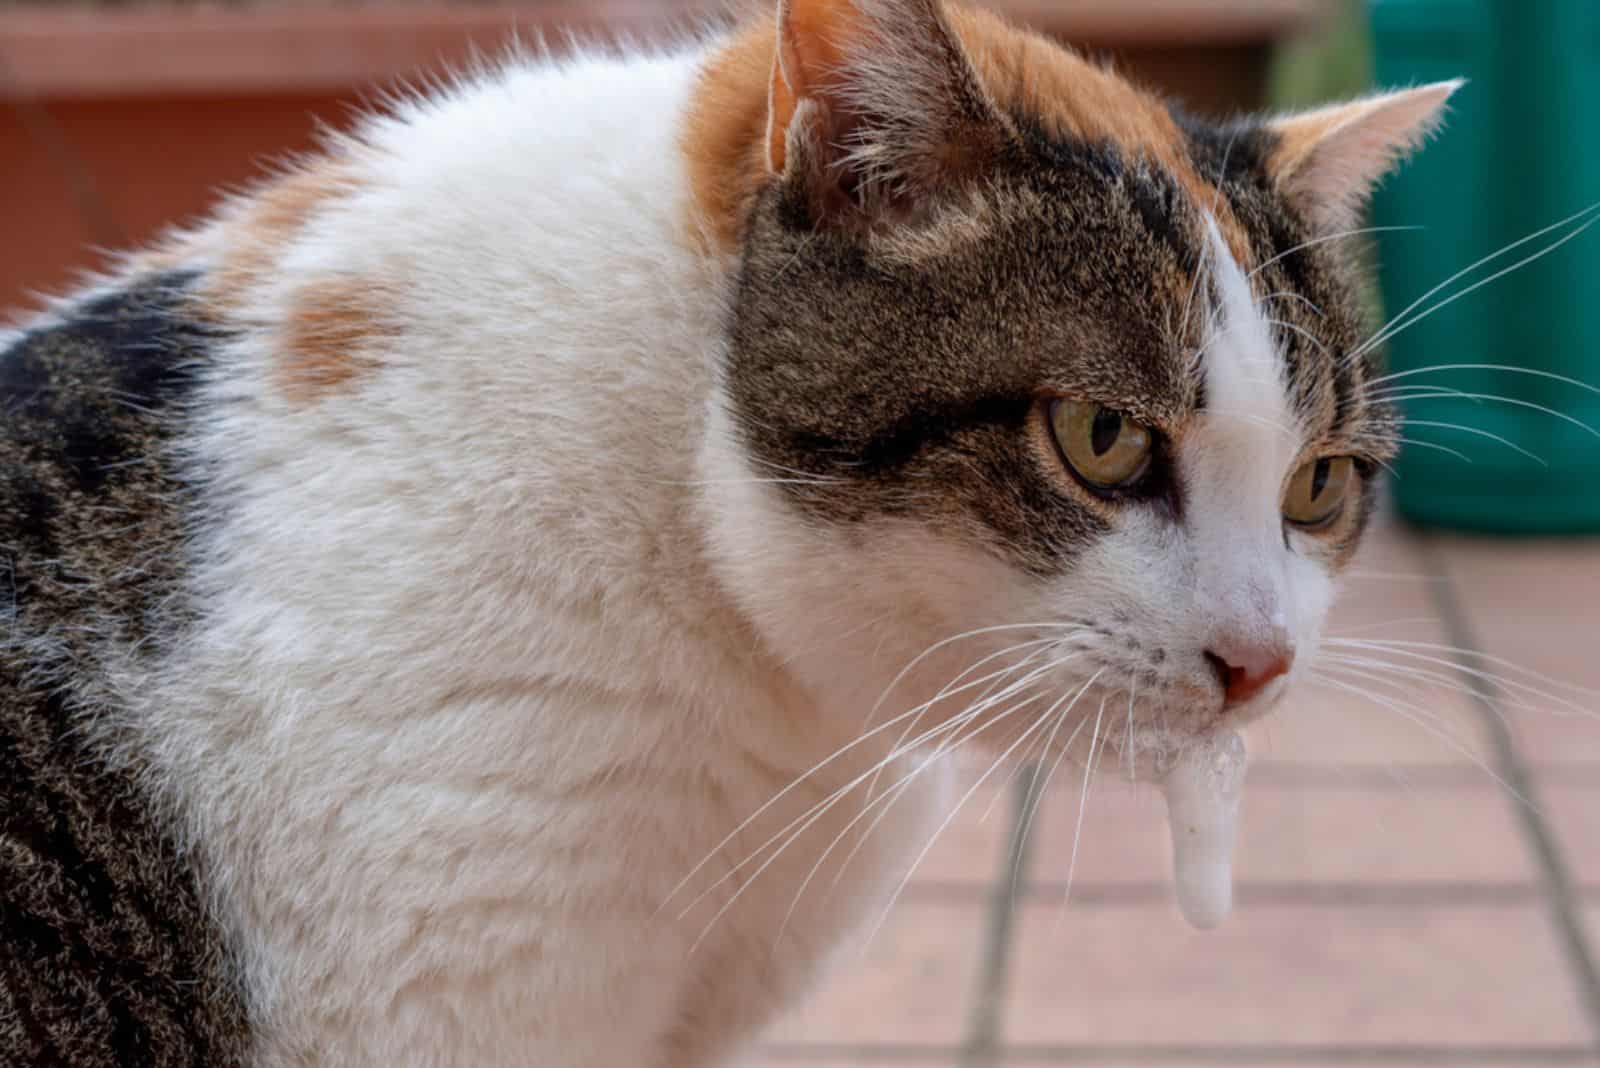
[1199, 765]
[1202, 778]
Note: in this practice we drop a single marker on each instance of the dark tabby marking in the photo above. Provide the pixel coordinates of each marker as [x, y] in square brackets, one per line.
[897, 377]
[107, 956]
[885, 378]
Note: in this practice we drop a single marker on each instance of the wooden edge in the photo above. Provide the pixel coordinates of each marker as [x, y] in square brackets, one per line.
[1175, 24]
[180, 51]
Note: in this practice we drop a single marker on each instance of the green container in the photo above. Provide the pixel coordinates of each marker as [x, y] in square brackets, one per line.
[1520, 151]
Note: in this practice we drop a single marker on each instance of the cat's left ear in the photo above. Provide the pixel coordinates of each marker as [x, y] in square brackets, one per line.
[874, 107]
[1327, 161]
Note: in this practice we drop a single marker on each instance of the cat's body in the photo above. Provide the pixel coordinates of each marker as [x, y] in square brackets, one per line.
[411, 597]
[503, 807]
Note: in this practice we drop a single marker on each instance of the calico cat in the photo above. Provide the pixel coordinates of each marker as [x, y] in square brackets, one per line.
[507, 591]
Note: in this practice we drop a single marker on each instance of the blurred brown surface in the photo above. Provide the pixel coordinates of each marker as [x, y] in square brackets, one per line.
[116, 123]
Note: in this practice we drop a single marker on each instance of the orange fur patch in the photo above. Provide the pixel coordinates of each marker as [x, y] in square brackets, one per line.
[726, 139]
[253, 240]
[1028, 74]
[329, 337]
[1299, 136]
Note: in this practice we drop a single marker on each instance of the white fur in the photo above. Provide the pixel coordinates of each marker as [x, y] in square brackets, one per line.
[469, 701]
[1255, 588]
[503, 640]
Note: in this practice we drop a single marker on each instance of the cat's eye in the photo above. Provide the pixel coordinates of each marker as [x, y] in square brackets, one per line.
[1105, 448]
[1317, 491]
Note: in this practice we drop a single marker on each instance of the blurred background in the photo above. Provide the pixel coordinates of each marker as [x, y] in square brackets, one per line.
[1419, 875]
[125, 115]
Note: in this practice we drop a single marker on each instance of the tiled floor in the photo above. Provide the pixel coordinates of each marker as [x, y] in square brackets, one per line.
[1396, 903]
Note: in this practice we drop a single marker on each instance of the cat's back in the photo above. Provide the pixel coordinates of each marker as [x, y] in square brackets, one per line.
[106, 954]
[311, 415]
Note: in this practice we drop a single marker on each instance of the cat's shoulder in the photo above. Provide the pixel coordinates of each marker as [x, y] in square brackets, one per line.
[88, 391]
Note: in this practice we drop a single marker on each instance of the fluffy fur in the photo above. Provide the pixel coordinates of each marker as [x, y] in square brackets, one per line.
[542, 557]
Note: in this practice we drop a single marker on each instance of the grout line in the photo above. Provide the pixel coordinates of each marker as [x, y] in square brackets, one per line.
[1571, 775]
[1321, 1056]
[1308, 775]
[1399, 1056]
[1457, 894]
[1560, 895]
[1395, 778]
[978, 1050]
[1261, 894]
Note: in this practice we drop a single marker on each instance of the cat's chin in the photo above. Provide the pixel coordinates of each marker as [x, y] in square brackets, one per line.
[1149, 753]
[1160, 739]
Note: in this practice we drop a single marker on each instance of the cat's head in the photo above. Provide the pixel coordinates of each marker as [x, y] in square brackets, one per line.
[1024, 364]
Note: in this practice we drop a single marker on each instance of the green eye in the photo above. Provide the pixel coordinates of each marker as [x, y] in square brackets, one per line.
[1105, 448]
[1317, 491]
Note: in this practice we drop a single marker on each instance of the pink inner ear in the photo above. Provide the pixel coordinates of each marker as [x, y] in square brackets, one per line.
[812, 37]
[1328, 160]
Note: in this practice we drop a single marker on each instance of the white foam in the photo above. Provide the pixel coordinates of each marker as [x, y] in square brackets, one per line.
[1202, 790]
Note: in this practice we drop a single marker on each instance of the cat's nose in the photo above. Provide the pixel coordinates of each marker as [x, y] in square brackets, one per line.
[1244, 667]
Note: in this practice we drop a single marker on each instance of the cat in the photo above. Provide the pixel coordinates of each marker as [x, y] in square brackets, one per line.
[508, 590]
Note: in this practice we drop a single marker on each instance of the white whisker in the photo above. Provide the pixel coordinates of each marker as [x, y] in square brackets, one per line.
[1513, 446]
[894, 897]
[1512, 401]
[807, 822]
[780, 795]
[1384, 673]
[936, 646]
[1026, 827]
[1322, 346]
[1325, 238]
[1503, 367]
[1286, 294]
[1396, 326]
[1083, 805]
[898, 788]
[796, 827]
[1427, 721]
[1408, 649]
[1039, 647]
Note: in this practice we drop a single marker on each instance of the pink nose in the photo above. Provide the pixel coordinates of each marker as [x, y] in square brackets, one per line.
[1245, 668]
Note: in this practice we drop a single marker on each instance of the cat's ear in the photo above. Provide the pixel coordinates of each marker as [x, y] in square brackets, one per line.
[874, 105]
[1327, 161]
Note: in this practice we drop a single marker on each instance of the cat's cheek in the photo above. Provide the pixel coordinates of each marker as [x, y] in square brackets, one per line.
[1313, 590]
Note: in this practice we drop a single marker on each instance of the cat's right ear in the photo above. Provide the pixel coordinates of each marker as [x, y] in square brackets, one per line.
[874, 107]
[1327, 161]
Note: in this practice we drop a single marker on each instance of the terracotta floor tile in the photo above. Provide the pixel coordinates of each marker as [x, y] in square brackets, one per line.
[1573, 812]
[912, 985]
[969, 851]
[1590, 917]
[1354, 977]
[1041, 1059]
[1331, 833]
[1534, 604]
[790, 1057]
[1321, 726]
[1386, 584]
